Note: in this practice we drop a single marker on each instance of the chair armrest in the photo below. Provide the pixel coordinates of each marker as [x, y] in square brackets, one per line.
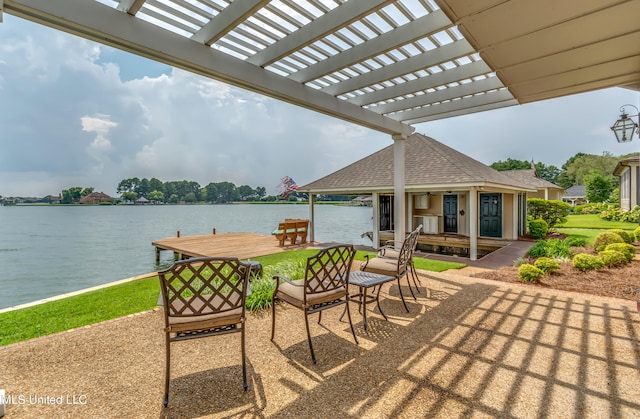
[287, 280]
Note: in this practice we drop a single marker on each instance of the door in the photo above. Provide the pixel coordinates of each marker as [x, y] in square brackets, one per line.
[386, 212]
[491, 215]
[450, 213]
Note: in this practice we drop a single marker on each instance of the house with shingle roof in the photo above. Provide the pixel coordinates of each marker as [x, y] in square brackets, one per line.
[95, 198]
[575, 195]
[544, 188]
[628, 170]
[449, 193]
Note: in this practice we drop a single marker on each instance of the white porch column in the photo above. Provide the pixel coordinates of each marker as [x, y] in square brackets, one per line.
[312, 228]
[515, 214]
[399, 214]
[375, 238]
[473, 223]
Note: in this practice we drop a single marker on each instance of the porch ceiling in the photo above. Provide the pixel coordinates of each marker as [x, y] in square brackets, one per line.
[383, 64]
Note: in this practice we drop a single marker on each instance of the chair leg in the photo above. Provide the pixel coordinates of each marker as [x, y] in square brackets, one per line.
[319, 316]
[409, 283]
[402, 296]
[244, 360]
[415, 275]
[167, 370]
[306, 322]
[273, 317]
[353, 332]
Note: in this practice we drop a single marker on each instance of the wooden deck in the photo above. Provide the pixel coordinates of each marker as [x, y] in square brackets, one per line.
[240, 245]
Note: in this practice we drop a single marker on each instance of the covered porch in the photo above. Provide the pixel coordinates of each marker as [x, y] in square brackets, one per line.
[468, 348]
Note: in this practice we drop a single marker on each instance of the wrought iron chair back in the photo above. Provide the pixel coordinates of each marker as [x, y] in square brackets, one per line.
[328, 270]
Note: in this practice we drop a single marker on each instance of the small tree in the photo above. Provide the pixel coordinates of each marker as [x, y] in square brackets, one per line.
[598, 186]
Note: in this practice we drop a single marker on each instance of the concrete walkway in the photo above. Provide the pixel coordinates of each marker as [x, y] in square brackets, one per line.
[468, 348]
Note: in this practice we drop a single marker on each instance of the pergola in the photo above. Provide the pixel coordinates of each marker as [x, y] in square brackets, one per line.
[382, 64]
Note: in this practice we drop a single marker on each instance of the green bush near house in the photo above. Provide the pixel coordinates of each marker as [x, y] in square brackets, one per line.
[603, 239]
[586, 262]
[553, 248]
[636, 233]
[552, 211]
[546, 265]
[529, 273]
[628, 250]
[613, 258]
[627, 236]
[538, 228]
[575, 241]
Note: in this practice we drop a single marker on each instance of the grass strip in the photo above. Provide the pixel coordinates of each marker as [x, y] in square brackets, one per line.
[592, 221]
[134, 297]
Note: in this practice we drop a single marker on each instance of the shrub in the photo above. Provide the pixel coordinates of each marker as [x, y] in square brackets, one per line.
[603, 239]
[261, 292]
[628, 250]
[538, 228]
[557, 248]
[576, 241]
[586, 262]
[529, 273]
[627, 236]
[553, 212]
[538, 250]
[613, 258]
[636, 233]
[552, 248]
[520, 261]
[612, 212]
[547, 265]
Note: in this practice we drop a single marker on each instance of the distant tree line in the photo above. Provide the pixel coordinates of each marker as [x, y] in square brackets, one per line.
[187, 191]
[593, 171]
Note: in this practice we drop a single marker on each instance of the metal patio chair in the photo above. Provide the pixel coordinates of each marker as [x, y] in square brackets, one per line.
[397, 263]
[204, 297]
[324, 286]
[390, 251]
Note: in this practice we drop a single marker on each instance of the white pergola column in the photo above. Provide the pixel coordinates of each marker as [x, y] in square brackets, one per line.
[399, 214]
[473, 223]
[375, 202]
[312, 224]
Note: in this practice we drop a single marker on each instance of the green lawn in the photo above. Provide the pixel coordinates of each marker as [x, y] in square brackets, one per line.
[132, 297]
[589, 221]
[588, 226]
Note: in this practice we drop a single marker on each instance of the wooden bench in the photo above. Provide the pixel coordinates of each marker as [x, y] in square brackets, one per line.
[302, 228]
[292, 229]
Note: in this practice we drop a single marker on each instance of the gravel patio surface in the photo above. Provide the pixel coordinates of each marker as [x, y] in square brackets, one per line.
[468, 348]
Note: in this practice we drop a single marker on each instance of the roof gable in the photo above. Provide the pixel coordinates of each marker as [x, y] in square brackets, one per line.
[530, 177]
[427, 162]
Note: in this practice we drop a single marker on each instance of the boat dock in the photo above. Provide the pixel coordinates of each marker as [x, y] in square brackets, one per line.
[240, 245]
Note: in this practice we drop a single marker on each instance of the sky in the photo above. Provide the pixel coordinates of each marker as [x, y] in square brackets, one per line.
[77, 113]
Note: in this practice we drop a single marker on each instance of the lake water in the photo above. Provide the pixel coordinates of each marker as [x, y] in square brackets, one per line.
[50, 250]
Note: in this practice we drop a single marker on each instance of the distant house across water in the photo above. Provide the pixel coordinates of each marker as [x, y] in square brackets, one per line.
[95, 198]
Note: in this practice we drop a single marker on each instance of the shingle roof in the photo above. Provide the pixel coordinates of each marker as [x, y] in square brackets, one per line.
[528, 176]
[575, 191]
[427, 163]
